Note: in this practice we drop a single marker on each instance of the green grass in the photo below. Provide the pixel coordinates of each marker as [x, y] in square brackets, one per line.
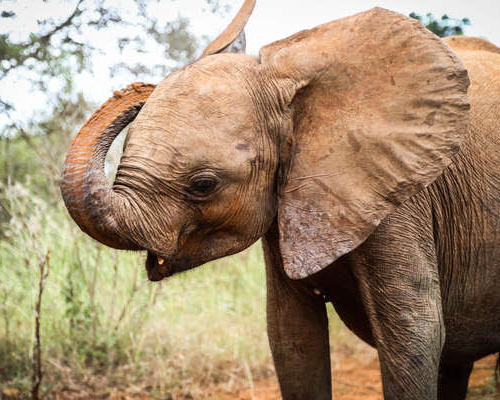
[100, 315]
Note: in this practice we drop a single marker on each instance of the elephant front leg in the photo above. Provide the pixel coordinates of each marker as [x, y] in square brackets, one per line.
[398, 280]
[297, 327]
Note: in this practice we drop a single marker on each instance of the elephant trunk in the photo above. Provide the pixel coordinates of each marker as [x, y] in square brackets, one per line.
[97, 209]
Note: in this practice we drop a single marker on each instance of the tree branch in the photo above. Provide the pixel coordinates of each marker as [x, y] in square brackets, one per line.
[68, 22]
[43, 267]
[44, 39]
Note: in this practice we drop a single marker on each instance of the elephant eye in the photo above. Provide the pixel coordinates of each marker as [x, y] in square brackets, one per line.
[202, 185]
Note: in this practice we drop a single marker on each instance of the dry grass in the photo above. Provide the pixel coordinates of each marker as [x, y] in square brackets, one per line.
[104, 325]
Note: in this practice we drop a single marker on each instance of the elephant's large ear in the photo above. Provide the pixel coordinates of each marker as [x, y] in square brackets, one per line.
[232, 40]
[378, 106]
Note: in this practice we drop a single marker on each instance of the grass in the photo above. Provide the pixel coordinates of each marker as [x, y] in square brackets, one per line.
[101, 317]
[100, 313]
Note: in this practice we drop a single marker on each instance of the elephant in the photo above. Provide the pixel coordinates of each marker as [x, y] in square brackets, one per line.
[364, 153]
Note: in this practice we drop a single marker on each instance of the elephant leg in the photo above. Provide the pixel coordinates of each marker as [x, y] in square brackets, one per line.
[398, 278]
[453, 381]
[297, 327]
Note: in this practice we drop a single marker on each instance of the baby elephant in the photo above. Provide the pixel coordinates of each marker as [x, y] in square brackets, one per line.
[359, 154]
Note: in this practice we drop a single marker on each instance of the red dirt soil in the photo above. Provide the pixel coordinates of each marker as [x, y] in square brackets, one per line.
[354, 379]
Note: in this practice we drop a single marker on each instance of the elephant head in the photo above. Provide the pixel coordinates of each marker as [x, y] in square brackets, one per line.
[328, 131]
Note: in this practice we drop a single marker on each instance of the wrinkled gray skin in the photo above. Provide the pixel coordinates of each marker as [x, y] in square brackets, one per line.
[423, 288]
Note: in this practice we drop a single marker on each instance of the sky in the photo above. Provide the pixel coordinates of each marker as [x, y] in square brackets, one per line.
[272, 20]
[276, 19]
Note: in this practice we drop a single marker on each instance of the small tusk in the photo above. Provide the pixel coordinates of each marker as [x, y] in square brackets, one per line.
[161, 260]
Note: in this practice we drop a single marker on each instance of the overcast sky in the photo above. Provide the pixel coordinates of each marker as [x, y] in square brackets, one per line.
[271, 20]
[276, 19]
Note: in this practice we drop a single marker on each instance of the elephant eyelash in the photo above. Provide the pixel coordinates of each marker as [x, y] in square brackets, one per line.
[202, 185]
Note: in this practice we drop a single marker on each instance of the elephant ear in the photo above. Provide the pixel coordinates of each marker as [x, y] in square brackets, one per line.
[378, 107]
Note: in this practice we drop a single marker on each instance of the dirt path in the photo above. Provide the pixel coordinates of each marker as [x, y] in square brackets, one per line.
[358, 380]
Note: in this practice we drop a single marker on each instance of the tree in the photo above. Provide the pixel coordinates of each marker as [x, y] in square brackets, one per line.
[64, 44]
[58, 48]
[443, 27]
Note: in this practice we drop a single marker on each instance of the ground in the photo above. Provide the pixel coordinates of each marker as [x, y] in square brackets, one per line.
[356, 377]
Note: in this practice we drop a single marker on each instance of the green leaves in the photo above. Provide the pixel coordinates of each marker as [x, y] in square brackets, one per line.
[446, 26]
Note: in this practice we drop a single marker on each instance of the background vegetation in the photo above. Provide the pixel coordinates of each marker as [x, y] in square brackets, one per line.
[103, 326]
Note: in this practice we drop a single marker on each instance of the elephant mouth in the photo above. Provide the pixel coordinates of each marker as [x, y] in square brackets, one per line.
[158, 267]
[161, 267]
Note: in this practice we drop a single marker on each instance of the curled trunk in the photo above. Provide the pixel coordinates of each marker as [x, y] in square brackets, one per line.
[89, 198]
